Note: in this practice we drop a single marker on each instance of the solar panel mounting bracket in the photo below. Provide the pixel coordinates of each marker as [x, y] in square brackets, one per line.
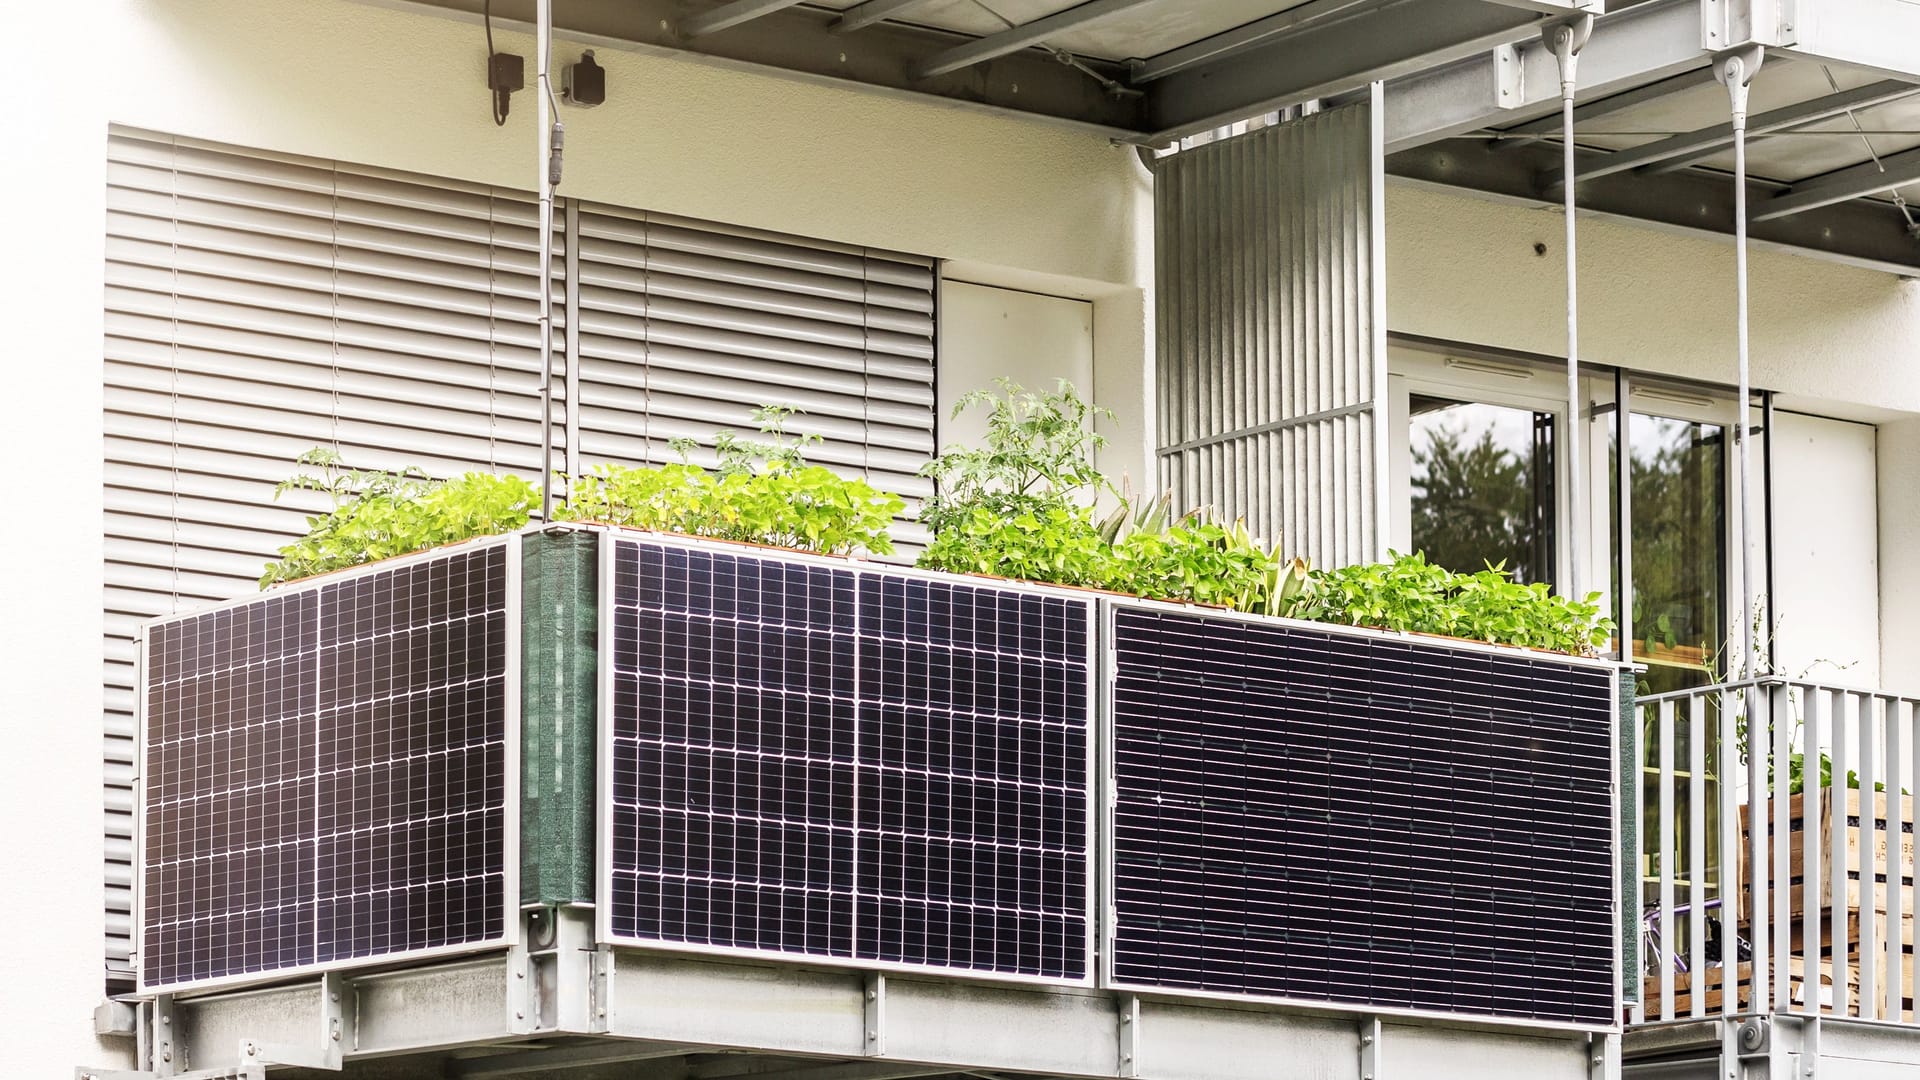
[328, 1050]
[875, 1005]
[1370, 1029]
[1129, 1034]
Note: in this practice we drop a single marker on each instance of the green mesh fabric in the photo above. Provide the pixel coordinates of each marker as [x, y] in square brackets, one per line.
[558, 709]
[1629, 838]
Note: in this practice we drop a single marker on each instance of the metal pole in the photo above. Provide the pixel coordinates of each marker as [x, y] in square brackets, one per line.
[1736, 70]
[1566, 40]
[543, 32]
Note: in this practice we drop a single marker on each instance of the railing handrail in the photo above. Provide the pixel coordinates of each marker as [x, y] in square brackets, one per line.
[1773, 680]
[1771, 903]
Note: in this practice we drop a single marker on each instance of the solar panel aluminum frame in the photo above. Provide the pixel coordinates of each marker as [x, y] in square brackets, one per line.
[1108, 790]
[603, 767]
[510, 761]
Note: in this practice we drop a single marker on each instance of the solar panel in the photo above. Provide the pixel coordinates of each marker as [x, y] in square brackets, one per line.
[1361, 819]
[325, 773]
[846, 762]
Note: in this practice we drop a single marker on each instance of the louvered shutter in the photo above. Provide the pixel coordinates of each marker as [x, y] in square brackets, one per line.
[687, 327]
[260, 305]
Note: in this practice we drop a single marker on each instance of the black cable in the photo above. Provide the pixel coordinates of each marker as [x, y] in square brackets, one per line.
[486, 19]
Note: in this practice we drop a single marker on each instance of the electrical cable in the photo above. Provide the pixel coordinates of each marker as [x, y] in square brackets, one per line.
[486, 19]
[1899, 201]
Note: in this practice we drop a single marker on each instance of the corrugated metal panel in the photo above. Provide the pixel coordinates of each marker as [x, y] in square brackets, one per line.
[686, 327]
[259, 305]
[1271, 339]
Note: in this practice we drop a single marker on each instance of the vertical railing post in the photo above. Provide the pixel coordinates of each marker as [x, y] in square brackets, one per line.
[1813, 704]
[1869, 729]
[1698, 791]
[1757, 878]
[1897, 784]
[1844, 725]
[1729, 848]
[1776, 701]
[1664, 857]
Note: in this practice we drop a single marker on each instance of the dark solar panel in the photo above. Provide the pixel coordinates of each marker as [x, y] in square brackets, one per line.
[325, 773]
[1363, 820]
[847, 762]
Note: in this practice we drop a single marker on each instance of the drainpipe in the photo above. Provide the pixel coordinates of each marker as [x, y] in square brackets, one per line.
[544, 137]
[1736, 69]
[1565, 40]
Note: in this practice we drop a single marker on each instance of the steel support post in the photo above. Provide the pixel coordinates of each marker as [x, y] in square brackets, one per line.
[1736, 69]
[1566, 40]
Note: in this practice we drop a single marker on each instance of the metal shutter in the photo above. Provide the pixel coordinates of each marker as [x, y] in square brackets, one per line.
[1271, 319]
[687, 326]
[260, 305]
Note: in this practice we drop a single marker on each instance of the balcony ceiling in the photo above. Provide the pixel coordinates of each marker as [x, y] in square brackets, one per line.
[1836, 105]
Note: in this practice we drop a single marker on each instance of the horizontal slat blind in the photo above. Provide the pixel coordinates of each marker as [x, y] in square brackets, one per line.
[258, 306]
[686, 327]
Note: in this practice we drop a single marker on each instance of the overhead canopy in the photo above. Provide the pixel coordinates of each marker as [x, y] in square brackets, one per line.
[1472, 94]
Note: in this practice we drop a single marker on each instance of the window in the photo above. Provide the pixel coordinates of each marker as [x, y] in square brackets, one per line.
[1482, 486]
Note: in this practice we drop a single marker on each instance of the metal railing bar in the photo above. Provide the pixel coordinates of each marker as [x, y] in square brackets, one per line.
[1665, 853]
[1729, 862]
[1757, 879]
[1697, 793]
[1779, 799]
[1813, 710]
[1869, 728]
[1842, 708]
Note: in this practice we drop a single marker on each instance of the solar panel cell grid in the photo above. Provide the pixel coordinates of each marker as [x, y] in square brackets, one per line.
[1312, 815]
[325, 773]
[847, 763]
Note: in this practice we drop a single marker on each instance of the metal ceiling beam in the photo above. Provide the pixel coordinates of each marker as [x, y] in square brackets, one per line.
[1679, 151]
[1855, 232]
[1231, 41]
[1868, 178]
[1606, 106]
[1319, 61]
[871, 12]
[1020, 37]
[730, 14]
[1656, 40]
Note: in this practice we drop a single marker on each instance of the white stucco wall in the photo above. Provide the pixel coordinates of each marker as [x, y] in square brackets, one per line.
[1464, 268]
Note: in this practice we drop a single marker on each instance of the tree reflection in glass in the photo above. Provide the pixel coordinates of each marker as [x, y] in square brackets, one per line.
[1482, 486]
[1679, 545]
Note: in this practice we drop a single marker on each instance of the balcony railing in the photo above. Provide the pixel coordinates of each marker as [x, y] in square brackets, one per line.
[1777, 851]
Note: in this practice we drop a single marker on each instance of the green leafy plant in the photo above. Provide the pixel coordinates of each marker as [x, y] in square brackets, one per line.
[1411, 594]
[762, 491]
[1055, 544]
[1038, 457]
[376, 514]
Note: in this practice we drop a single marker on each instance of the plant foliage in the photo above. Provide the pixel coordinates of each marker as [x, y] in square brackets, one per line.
[376, 515]
[761, 492]
[1411, 594]
[1038, 458]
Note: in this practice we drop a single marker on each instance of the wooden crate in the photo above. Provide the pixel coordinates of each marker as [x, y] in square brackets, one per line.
[1855, 894]
[1710, 983]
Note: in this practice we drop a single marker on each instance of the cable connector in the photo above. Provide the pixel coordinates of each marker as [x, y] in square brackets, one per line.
[556, 146]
